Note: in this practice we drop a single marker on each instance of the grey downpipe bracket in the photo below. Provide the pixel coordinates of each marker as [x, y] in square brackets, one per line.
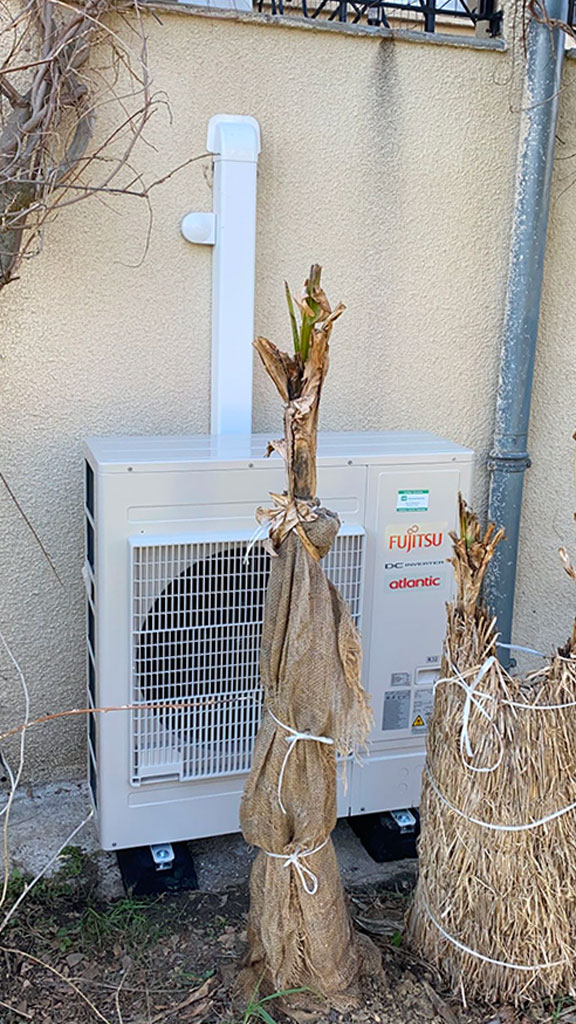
[509, 457]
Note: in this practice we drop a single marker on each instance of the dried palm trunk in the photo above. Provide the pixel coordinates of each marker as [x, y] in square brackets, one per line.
[495, 903]
[299, 928]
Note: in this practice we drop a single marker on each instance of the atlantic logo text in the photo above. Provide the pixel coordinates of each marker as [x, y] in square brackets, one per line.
[406, 583]
[413, 539]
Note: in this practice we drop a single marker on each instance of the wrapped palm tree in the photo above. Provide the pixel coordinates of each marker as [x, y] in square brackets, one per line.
[300, 933]
[495, 903]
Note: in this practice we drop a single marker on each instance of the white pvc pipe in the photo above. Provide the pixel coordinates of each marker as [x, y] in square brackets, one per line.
[231, 229]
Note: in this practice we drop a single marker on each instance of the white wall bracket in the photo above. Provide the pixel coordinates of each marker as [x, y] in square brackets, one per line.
[199, 228]
[234, 140]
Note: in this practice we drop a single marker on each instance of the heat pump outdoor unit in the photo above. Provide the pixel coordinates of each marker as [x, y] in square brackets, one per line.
[174, 613]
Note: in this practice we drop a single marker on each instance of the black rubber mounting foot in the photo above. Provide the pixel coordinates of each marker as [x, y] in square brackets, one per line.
[141, 877]
[381, 837]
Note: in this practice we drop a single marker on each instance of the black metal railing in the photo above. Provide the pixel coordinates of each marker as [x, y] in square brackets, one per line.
[379, 12]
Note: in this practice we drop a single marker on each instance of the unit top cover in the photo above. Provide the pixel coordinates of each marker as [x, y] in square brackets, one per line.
[156, 452]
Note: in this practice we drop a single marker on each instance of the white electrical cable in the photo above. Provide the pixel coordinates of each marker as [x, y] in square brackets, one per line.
[292, 739]
[307, 877]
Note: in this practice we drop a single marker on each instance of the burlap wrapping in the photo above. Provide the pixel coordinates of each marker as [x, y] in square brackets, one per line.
[299, 930]
[310, 667]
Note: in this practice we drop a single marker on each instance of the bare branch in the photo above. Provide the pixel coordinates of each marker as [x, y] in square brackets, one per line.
[47, 122]
[32, 529]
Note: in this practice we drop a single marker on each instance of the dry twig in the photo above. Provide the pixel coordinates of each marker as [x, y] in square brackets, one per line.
[50, 95]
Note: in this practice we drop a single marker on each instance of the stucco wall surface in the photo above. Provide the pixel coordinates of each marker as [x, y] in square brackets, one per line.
[546, 599]
[390, 163]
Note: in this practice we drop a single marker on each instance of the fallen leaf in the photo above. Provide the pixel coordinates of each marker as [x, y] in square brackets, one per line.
[199, 996]
[439, 1004]
[196, 1011]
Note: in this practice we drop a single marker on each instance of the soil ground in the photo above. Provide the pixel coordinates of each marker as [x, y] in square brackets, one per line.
[70, 958]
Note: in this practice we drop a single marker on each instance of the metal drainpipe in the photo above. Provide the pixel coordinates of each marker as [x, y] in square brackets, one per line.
[509, 457]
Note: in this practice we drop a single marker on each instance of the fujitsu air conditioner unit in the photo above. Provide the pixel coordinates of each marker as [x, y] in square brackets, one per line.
[175, 605]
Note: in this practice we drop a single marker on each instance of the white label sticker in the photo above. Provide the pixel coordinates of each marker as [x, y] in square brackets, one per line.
[412, 501]
[396, 710]
[423, 705]
[401, 679]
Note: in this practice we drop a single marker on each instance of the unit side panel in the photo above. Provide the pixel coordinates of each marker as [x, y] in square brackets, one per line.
[408, 582]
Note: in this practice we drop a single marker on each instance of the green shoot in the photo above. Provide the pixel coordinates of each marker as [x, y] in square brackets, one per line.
[311, 310]
[256, 1009]
[293, 322]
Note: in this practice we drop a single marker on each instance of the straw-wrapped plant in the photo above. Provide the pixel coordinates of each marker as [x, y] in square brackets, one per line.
[300, 933]
[495, 903]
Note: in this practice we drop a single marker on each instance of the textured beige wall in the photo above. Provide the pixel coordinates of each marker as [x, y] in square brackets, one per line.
[391, 163]
[546, 599]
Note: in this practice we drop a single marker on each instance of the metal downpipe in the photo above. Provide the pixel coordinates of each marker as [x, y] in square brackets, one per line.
[509, 457]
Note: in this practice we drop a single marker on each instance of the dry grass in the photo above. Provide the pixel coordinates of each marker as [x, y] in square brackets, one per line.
[491, 877]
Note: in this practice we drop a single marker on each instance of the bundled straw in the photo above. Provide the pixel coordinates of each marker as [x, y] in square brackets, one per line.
[300, 933]
[495, 902]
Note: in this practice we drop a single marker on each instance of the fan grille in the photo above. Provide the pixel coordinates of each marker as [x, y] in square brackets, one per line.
[197, 612]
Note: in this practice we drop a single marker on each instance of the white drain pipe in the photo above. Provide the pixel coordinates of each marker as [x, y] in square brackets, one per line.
[231, 229]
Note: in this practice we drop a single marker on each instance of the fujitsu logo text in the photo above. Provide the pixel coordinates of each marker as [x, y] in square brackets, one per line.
[413, 539]
[426, 581]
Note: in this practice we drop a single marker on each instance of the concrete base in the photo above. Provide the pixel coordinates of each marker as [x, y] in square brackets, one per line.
[43, 816]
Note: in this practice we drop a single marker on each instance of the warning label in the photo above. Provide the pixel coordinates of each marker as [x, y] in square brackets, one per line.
[423, 704]
[396, 710]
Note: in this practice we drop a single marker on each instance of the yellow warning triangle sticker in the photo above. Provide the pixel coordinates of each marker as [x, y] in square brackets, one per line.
[418, 720]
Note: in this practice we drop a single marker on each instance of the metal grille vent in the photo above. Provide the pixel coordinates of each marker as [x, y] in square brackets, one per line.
[196, 622]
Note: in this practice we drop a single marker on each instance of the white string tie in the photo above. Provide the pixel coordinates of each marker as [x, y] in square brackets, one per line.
[490, 824]
[489, 959]
[256, 536]
[292, 739]
[474, 699]
[518, 647]
[307, 877]
[539, 707]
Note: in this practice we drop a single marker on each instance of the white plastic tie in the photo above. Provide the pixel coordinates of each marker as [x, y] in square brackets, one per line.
[292, 739]
[256, 536]
[489, 959]
[474, 699]
[493, 826]
[518, 647]
[526, 706]
[307, 877]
